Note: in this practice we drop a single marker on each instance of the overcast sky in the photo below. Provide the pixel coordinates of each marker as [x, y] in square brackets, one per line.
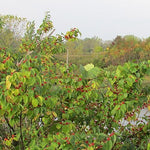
[103, 18]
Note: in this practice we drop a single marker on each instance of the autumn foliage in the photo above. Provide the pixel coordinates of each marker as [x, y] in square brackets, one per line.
[46, 105]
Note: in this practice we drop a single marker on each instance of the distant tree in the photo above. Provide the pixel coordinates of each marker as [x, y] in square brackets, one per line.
[12, 32]
[1, 23]
[131, 38]
[89, 44]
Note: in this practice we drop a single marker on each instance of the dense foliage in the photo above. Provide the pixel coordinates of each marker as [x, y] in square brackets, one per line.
[48, 105]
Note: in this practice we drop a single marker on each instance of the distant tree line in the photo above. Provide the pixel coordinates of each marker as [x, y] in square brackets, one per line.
[105, 53]
[94, 50]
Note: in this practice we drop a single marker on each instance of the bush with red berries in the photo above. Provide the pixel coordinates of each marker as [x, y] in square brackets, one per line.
[47, 105]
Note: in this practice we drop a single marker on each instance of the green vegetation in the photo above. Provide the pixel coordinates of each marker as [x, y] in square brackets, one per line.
[46, 104]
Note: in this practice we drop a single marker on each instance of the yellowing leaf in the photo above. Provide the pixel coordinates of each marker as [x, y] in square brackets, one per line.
[25, 110]
[48, 112]
[10, 98]
[34, 102]
[88, 67]
[16, 92]
[94, 84]
[2, 67]
[8, 83]
[40, 98]
[54, 114]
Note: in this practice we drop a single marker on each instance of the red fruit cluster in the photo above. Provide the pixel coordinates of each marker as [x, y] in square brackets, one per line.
[5, 60]
[122, 103]
[108, 139]
[112, 134]
[19, 86]
[80, 79]
[92, 144]
[80, 89]
[30, 68]
[24, 60]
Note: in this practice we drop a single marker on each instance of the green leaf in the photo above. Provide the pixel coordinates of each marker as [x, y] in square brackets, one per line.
[108, 145]
[123, 108]
[94, 72]
[113, 112]
[40, 98]
[12, 122]
[16, 92]
[2, 67]
[54, 100]
[90, 148]
[34, 102]
[26, 73]
[31, 81]
[30, 93]
[65, 116]
[66, 128]
[53, 146]
[148, 146]
[118, 72]
[39, 79]
[113, 139]
[58, 126]
[130, 81]
[17, 137]
[44, 120]
[25, 99]
[79, 97]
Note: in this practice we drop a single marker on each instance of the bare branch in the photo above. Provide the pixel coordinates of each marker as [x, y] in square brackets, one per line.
[28, 53]
[9, 124]
[51, 33]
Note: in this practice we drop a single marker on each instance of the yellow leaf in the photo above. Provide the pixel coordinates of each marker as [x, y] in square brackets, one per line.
[25, 110]
[15, 92]
[54, 114]
[8, 83]
[10, 98]
[48, 112]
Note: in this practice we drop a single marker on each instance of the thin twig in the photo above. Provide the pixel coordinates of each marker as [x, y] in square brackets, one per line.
[28, 53]
[51, 33]
[21, 135]
[9, 124]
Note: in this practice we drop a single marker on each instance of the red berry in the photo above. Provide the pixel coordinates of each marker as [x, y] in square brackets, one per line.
[108, 139]
[30, 68]
[80, 79]
[4, 61]
[112, 134]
